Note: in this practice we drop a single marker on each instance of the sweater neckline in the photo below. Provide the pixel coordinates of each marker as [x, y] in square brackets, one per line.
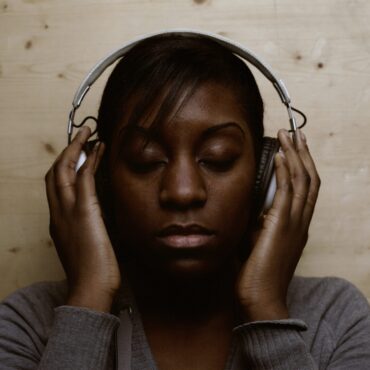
[142, 357]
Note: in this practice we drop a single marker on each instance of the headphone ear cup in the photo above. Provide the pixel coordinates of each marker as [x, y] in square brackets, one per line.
[265, 185]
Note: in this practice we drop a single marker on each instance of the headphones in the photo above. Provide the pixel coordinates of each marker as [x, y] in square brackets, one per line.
[265, 185]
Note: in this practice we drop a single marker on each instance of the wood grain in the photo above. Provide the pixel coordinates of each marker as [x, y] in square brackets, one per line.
[320, 48]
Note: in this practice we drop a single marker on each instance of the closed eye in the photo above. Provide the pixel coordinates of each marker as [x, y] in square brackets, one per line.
[217, 164]
[146, 166]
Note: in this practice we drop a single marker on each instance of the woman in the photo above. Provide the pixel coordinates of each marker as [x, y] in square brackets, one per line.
[174, 233]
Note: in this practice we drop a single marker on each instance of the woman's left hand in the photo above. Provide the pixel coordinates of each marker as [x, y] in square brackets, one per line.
[265, 276]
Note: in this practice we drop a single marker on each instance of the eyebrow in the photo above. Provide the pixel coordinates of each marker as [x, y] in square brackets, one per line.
[214, 129]
[153, 135]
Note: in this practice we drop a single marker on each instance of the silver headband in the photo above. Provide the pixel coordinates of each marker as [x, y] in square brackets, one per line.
[233, 46]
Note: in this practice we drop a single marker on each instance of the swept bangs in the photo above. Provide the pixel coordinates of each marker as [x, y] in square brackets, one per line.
[159, 74]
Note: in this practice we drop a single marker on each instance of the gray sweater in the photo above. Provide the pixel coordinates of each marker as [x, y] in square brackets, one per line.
[329, 329]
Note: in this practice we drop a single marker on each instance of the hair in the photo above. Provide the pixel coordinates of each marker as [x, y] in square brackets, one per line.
[170, 66]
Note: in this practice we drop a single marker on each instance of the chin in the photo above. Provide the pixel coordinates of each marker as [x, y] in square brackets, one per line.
[188, 269]
[183, 264]
[189, 266]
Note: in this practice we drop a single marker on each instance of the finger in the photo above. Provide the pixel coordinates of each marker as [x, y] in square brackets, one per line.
[299, 176]
[315, 183]
[85, 186]
[65, 169]
[51, 195]
[99, 156]
[279, 213]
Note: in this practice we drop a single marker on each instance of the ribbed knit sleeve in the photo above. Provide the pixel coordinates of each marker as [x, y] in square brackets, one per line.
[37, 331]
[80, 339]
[275, 344]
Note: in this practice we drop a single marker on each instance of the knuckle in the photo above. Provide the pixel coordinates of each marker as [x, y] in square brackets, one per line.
[64, 185]
[79, 141]
[302, 148]
[286, 187]
[63, 165]
[272, 217]
[311, 201]
[288, 148]
[303, 177]
[300, 196]
[315, 186]
[84, 171]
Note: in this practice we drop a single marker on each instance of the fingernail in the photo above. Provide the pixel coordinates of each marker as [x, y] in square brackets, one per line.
[281, 152]
[280, 158]
[303, 136]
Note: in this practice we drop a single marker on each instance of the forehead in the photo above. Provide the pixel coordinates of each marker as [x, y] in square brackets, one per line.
[208, 104]
[211, 102]
[211, 110]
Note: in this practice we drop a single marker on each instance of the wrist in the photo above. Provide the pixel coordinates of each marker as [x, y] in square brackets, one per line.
[261, 311]
[94, 299]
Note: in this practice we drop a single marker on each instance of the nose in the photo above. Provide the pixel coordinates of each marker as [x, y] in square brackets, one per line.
[182, 185]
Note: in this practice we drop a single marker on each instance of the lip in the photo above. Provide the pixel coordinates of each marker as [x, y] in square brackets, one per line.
[185, 236]
[188, 229]
[186, 241]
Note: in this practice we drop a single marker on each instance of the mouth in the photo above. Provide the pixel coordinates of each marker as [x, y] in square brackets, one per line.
[186, 241]
[186, 236]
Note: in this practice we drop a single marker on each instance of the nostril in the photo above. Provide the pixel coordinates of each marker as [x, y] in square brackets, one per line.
[182, 198]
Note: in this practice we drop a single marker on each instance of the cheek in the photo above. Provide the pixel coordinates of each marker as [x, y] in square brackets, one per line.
[232, 201]
[132, 200]
[227, 209]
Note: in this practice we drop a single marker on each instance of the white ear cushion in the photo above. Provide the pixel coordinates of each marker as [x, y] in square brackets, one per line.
[81, 160]
[270, 193]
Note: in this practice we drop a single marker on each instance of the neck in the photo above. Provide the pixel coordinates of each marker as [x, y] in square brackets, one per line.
[186, 299]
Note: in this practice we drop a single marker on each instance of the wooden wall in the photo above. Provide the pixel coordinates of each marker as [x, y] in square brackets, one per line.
[320, 48]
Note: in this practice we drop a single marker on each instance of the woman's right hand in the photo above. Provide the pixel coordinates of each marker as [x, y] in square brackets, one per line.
[78, 230]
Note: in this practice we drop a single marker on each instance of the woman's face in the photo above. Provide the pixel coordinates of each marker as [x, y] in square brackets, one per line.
[182, 194]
